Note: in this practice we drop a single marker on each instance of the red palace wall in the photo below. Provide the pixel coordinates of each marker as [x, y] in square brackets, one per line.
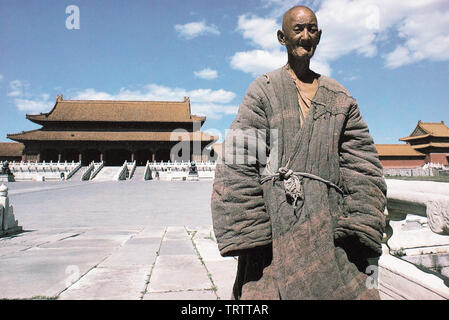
[401, 162]
[437, 158]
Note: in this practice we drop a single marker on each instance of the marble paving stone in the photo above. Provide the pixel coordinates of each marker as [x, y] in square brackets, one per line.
[45, 272]
[181, 295]
[177, 247]
[118, 283]
[178, 272]
[223, 275]
[15, 248]
[38, 238]
[136, 251]
[151, 231]
[202, 232]
[176, 233]
[81, 243]
[208, 250]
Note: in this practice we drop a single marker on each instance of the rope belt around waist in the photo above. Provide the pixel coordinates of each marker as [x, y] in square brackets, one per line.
[293, 185]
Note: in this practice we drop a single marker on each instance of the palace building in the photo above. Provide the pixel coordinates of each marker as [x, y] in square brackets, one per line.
[117, 131]
[428, 143]
[114, 132]
[11, 151]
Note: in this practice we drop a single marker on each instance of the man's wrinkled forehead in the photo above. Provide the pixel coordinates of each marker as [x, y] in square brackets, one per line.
[299, 14]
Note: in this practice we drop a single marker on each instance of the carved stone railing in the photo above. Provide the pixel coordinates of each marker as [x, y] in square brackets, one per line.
[147, 172]
[87, 174]
[41, 171]
[422, 198]
[97, 168]
[131, 168]
[180, 170]
[73, 171]
[417, 226]
[122, 173]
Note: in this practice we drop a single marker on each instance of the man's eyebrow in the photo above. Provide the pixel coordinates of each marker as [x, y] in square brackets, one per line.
[313, 24]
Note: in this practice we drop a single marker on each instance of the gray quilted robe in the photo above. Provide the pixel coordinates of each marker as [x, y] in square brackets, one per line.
[318, 248]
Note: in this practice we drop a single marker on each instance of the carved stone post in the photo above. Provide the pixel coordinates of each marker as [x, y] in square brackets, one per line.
[8, 223]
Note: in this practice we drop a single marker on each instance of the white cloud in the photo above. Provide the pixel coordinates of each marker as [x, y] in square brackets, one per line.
[214, 111]
[362, 25]
[260, 31]
[351, 26]
[1, 77]
[17, 88]
[425, 37]
[347, 26]
[38, 104]
[195, 29]
[258, 62]
[208, 102]
[24, 101]
[280, 6]
[350, 78]
[207, 74]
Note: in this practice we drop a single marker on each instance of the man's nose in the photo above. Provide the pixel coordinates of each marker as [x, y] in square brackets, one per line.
[305, 34]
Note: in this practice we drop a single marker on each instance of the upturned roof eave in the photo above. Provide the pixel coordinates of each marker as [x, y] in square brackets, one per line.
[408, 138]
[42, 120]
[431, 144]
[397, 150]
[27, 136]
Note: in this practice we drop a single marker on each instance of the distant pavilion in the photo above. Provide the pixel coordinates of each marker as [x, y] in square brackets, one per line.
[428, 143]
[115, 131]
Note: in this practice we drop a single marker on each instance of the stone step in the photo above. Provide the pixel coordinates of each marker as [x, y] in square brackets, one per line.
[78, 174]
[107, 174]
[138, 173]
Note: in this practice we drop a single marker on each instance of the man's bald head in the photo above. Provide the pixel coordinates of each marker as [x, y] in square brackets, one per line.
[296, 11]
[300, 33]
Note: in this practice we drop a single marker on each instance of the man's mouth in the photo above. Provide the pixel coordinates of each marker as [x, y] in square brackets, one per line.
[306, 47]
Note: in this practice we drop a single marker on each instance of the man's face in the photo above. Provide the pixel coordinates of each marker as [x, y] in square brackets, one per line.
[300, 34]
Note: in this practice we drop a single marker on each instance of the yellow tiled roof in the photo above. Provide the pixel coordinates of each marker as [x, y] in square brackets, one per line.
[118, 111]
[11, 149]
[426, 129]
[397, 150]
[42, 135]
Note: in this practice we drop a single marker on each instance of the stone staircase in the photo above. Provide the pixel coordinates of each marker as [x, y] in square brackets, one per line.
[78, 174]
[138, 173]
[107, 174]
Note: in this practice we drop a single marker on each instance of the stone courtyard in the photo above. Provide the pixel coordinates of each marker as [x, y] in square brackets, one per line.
[153, 240]
[113, 240]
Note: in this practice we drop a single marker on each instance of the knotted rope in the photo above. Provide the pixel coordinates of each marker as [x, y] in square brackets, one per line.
[293, 184]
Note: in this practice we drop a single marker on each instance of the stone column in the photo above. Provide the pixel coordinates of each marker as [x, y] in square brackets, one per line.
[80, 157]
[59, 156]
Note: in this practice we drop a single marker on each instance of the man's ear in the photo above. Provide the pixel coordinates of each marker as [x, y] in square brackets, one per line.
[319, 36]
[281, 37]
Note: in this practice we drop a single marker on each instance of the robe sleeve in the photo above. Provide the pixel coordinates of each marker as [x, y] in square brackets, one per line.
[362, 223]
[239, 216]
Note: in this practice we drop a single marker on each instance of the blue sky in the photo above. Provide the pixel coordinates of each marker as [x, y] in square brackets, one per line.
[393, 56]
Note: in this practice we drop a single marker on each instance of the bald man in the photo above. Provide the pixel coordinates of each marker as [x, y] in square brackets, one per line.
[305, 223]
